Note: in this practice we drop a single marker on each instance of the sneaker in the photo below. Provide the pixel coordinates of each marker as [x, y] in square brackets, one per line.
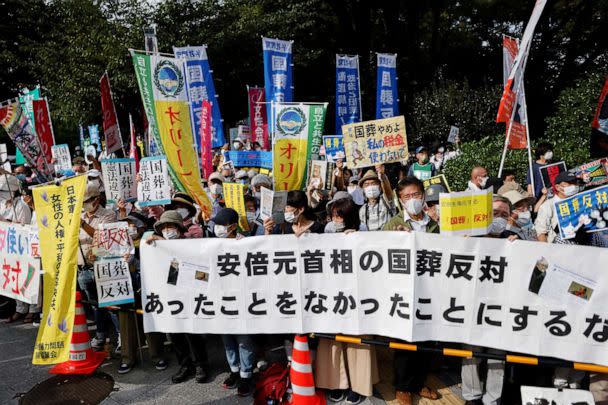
[336, 395]
[353, 398]
[97, 343]
[124, 368]
[245, 387]
[232, 381]
[161, 365]
[36, 320]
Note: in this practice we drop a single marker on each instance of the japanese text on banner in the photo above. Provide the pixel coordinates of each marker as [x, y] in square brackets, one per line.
[58, 210]
[374, 142]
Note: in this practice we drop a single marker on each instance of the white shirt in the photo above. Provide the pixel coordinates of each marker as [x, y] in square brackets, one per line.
[472, 186]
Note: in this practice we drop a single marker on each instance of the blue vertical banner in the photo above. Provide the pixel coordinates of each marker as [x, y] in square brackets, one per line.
[81, 132]
[278, 72]
[199, 84]
[348, 93]
[387, 101]
[94, 136]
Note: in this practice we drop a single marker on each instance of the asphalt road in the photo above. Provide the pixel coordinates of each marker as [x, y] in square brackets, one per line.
[143, 385]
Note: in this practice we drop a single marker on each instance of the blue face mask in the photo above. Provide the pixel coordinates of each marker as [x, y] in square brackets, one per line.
[21, 177]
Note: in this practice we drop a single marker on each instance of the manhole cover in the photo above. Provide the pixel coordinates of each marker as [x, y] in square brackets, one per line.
[70, 389]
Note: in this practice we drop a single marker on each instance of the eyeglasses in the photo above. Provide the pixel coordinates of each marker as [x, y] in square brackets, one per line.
[410, 196]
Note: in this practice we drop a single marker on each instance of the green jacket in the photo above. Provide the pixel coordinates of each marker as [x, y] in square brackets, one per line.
[397, 221]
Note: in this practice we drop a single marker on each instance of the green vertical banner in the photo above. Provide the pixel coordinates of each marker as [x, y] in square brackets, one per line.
[25, 99]
[315, 133]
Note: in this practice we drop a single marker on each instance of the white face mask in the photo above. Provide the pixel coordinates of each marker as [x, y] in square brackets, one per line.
[183, 212]
[338, 226]
[548, 155]
[215, 189]
[372, 191]
[440, 150]
[497, 226]
[291, 217]
[236, 145]
[220, 231]
[257, 194]
[483, 182]
[570, 190]
[250, 216]
[133, 232]
[170, 233]
[414, 206]
[524, 218]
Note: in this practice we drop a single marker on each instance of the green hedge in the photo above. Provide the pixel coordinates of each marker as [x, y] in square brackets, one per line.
[568, 130]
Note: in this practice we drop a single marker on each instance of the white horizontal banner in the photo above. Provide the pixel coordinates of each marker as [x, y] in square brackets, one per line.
[527, 297]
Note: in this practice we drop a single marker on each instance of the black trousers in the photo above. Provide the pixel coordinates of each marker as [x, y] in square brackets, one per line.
[411, 369]
[191, 349]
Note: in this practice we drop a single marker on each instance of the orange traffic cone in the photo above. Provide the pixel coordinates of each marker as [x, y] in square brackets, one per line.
[302, 381]
[83, 360]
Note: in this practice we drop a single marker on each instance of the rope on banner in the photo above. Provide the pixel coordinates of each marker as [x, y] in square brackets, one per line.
[450, 352]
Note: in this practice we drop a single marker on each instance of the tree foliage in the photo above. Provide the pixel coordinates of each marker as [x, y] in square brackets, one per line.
[449, 53]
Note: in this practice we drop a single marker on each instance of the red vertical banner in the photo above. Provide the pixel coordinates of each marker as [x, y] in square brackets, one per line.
[257, 116]
[206, 137]
[518, 138]
[111, 130]
[44, 128]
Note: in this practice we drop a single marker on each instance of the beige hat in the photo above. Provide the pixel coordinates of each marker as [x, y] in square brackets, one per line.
[91, 191]
[369, 175]
[216, 176]
[516, 197]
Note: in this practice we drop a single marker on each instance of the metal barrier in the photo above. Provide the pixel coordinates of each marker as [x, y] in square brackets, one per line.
[446, 351]
[451, 352]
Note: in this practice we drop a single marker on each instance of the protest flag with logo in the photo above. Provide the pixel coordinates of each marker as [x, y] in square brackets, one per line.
[162, 87]
[297, 137]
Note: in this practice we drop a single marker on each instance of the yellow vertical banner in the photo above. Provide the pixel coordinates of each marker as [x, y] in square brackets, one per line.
[466, 212]
[234, 197]
[58, 210]
[162, 86]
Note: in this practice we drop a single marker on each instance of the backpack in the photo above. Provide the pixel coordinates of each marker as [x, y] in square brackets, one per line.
[272, 385]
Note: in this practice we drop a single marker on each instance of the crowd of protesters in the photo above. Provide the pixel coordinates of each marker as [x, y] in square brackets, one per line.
[384, 198]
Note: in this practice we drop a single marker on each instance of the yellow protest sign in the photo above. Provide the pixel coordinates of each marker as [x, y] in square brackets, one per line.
[466, 212]
[234, 197]
[374, 142]
[58, 210]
